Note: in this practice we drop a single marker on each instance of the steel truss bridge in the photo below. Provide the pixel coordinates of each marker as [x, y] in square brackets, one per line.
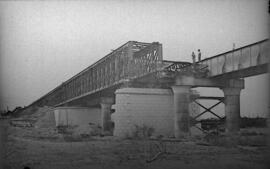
[142, 65]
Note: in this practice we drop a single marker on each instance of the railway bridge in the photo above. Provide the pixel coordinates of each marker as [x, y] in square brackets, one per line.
[135, 78]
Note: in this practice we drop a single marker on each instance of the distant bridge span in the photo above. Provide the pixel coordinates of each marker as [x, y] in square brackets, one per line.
[138, 64]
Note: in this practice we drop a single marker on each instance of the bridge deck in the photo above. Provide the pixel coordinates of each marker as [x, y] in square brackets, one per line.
[245, 61]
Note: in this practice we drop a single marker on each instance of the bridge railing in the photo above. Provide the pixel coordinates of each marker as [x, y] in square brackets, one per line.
[252, 55]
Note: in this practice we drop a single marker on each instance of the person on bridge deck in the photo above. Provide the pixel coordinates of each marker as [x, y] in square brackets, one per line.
[199, 55]
[193, 57]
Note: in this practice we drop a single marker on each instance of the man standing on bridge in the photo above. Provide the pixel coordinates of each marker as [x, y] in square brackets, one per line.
[193, 57]
[199, 55]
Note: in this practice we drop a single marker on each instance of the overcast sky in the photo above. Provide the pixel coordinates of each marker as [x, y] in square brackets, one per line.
[44, 43]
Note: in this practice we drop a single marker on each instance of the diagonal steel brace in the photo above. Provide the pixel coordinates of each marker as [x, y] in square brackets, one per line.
[208, 109]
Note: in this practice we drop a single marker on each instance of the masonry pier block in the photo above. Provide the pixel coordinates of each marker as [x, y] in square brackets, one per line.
[106, 105]
[143, 109]
[232, 109]
[181, 97]
[76, 116]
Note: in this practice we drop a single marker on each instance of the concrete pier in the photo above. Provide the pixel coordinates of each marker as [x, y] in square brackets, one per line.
[77, 116]
[106, 104]
[181, 96]
[232, 109]
[148, 108]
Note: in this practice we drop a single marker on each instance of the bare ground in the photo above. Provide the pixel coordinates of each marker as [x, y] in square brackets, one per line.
[30, 147]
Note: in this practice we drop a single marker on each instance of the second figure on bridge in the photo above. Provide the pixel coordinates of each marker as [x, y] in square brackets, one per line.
[193, 57]
[199, 55]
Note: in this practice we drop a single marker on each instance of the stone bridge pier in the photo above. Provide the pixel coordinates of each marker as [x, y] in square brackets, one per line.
[181, 100]
[106, 105]
[232, 108]
[87, 111]
[181, 95]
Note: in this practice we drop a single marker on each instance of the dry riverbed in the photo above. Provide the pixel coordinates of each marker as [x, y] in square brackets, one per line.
[28, 146]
